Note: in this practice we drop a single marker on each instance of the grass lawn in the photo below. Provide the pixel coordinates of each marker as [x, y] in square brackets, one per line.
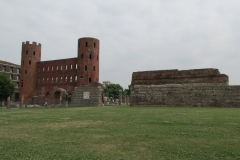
[120, 132]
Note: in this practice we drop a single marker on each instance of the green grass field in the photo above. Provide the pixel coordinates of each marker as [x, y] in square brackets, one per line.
[120, 132]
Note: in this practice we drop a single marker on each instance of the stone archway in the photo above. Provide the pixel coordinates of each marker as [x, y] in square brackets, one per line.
[58, 93]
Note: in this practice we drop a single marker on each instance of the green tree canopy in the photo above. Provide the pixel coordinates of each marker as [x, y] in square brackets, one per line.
[112, 90]
[6, 87]
[126, 92]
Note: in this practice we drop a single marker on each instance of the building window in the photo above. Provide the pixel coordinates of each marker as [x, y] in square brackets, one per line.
[17, 85]
[25, 71]
[97, 57]
[94, 45]
[90, 56]
[18, 70]
[52, 79]
[30, 62]
[66, 67]
[82, 55]
[48, 68]
[57, 68]
[52, 68]
[85, 68]
[47, 79]
[18, 78]
[75, 78]
[60, 79]
[71, 66]
[11, 70]
[70, 78]
[43, 68]
[66, 79]
[86, 44]
[60, 67]
[10, 76]
[90, 80]
[76, 66]
[34, 53]
[56, 79]
[93, 68]
[43, 80]
[26, 52]
[4, 68]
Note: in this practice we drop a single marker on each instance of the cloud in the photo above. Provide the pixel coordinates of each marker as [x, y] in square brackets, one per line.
[134, 35]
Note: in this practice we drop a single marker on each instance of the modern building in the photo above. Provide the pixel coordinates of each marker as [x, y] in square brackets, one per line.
[13, 72]
[105, 83]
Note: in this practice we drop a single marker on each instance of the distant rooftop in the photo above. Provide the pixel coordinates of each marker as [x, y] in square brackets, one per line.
[8, 63]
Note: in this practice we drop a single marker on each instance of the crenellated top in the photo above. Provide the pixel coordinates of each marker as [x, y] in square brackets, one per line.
[33, 43]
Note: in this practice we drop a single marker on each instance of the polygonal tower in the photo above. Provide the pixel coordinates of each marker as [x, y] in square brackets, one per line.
[31, 54]
[88, 61]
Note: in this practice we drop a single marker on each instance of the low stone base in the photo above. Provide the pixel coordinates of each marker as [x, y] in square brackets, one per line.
[90, 95]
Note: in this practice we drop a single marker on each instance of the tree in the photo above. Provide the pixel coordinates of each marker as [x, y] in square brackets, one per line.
[112, 90]
[6, 87]
[126, 92]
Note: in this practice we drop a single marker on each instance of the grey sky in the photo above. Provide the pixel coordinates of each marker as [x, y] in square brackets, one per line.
[134, 35]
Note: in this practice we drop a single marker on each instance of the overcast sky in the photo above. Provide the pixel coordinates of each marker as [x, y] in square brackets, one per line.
[134, 35]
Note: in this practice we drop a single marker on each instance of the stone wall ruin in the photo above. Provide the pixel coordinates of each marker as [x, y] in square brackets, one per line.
[199, 87]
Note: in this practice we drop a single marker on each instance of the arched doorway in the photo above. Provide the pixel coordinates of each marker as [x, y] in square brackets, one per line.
[57, 95]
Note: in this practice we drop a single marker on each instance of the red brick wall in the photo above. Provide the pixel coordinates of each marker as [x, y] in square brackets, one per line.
[88, 61]
[50, 79]
[31, 54]
[178, 77]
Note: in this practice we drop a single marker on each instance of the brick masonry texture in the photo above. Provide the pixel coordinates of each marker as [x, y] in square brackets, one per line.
[49, 81]
[209, 88]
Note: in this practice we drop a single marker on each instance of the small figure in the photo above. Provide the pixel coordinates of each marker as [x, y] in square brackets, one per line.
[45, 104]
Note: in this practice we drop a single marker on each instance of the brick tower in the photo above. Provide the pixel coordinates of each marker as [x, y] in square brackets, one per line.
[88, 61]
[31, 54]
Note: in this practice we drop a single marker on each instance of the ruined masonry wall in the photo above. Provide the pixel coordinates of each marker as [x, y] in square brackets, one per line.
[204, 94]
[95, 96]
